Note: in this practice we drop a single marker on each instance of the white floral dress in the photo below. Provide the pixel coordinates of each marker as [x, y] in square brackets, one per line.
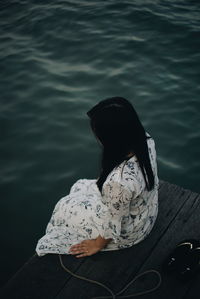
[125, 211]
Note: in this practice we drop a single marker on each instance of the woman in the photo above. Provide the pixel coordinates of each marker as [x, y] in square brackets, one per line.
[118, 209]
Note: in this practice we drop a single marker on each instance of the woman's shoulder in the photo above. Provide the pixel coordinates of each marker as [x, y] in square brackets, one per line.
[150, 139]
[124, 175]
[151, 147]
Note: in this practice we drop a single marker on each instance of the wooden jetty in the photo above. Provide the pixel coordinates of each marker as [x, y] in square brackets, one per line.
[178, 219]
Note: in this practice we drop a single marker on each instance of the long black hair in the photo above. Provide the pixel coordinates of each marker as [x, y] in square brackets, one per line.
[116, 124]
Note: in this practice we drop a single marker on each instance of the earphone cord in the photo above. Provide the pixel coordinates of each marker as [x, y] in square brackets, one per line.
[114, 296]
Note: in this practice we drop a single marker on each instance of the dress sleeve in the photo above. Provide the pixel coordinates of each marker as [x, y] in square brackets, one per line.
[117, 198]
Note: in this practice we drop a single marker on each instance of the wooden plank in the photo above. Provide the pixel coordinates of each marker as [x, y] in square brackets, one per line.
[40, 277]
[44, 278]
[186, 225]
[116, 268]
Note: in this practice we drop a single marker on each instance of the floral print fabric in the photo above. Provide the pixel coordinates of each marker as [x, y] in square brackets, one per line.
[125, 211]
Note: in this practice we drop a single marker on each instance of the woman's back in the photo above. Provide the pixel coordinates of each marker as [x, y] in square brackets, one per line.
[133, 208]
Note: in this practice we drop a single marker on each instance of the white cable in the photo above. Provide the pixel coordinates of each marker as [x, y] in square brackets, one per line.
[113, 295]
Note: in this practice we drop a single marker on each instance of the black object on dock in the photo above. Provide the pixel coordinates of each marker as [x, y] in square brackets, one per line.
[178, 219]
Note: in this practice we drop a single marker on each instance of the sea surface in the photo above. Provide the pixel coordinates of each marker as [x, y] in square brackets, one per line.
[58, 59]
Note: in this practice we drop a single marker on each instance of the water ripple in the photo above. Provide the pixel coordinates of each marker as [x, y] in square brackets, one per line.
[60, 58]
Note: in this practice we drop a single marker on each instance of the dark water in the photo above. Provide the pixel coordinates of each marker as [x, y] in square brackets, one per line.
[59, 58]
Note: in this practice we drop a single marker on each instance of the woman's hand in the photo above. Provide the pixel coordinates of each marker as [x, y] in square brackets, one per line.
[89, 247]
[85, 248]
